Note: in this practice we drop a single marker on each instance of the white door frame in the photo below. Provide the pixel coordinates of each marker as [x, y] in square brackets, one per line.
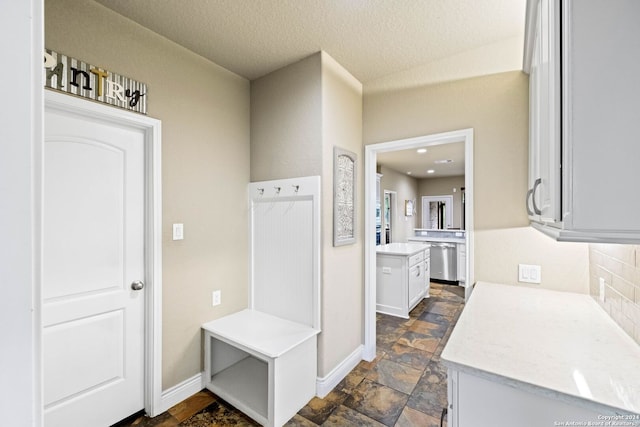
[153, 230]
[370, 156]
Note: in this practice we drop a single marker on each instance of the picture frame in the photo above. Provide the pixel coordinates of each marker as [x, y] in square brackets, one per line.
[408, 207]
[345, 173]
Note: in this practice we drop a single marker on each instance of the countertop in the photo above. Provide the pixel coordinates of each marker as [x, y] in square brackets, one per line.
[559, 344]
[437, 239]
[402, 249]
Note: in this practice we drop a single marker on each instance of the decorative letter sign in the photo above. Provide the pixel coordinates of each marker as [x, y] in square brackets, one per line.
[79, 78]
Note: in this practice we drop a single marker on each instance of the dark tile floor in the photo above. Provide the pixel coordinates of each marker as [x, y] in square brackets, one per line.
[406, 385]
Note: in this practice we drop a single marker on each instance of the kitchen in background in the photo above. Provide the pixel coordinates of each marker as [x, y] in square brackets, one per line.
[428, 185]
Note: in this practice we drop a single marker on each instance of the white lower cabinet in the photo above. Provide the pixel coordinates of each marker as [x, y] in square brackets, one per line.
[416, 283]
[402, 281]
[461, 254]
[478, 402]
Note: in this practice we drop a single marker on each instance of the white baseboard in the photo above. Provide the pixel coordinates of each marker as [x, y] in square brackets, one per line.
[326, 384]
[179, 392]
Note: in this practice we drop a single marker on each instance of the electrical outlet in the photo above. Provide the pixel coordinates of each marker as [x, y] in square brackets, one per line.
[386, 270]
[601, 291]
[529, 273]
[216, 298]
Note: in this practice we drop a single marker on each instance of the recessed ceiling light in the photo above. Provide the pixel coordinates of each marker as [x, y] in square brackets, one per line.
[431, 171]
[421, 150]
[439, 162]
[409, 172]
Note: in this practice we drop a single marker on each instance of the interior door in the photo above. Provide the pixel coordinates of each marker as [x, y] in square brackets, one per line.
[92, 253]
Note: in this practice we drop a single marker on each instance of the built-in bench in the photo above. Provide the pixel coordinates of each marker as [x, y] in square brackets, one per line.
[263, 365]
[263, 360]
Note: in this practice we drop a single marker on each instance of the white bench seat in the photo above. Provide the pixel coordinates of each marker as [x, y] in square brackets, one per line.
[260, 332]
[263, 365]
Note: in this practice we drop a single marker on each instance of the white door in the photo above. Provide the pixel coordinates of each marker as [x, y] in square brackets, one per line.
[92, 252]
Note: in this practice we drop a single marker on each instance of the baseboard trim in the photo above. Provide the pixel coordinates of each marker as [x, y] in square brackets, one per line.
[179, 392]
[325, 384]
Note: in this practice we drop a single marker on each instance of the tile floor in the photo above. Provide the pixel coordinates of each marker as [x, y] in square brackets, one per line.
[406, 385]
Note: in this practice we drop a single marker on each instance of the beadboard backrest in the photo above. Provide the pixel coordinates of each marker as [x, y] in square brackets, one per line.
[285, 249]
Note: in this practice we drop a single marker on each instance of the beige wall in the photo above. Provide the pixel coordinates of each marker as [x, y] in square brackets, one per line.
[343, 266]
[619, 266]
[298, 114]
[496, 107]
[406, 189]
[205, 141]
[442, 187]
[286, 122]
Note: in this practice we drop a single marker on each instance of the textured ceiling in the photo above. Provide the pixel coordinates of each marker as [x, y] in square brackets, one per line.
[404, 161]
[373, 39]
[386, 44]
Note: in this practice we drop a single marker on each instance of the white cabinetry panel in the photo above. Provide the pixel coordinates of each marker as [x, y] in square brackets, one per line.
[583, 110]
[481, 402]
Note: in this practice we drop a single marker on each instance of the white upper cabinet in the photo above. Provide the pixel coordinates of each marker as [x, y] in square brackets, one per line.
[584, 162]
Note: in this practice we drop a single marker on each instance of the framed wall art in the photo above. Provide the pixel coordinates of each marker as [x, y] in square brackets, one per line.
[344, 196]
[408, 208]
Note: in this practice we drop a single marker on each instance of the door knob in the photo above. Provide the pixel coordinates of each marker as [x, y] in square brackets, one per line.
[137, 285]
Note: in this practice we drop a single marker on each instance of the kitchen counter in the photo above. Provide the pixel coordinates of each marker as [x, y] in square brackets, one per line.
[425, 239]
[402, 249]
[555, 344]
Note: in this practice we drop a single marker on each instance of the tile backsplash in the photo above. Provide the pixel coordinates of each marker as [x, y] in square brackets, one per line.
[619, 266]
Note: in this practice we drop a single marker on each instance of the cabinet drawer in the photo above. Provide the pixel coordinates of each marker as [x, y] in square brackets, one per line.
[414, 259]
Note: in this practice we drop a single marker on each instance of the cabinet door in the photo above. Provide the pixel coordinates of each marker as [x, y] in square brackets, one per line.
[543, 197]
[482, 402]
[416, 284]
[548, 195]
[534, 121]
[452, 398]
[427, 276]
[602, 68]
[462, 263]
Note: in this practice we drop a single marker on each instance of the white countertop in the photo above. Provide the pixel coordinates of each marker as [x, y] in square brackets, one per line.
[437, 239]
[402, 249]
[558, 344]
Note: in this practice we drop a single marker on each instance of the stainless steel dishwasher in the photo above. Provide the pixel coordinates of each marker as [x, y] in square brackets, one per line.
[443, 261]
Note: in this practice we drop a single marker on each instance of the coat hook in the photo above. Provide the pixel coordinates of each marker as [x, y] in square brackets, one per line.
[296, 188]
[278, 190]
[261, 191]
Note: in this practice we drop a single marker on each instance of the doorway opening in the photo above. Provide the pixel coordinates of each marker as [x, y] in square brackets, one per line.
[371, 178]
[389, 217]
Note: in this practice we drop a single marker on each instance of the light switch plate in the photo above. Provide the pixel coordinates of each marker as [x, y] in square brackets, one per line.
[529, 273]
[178, 231]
